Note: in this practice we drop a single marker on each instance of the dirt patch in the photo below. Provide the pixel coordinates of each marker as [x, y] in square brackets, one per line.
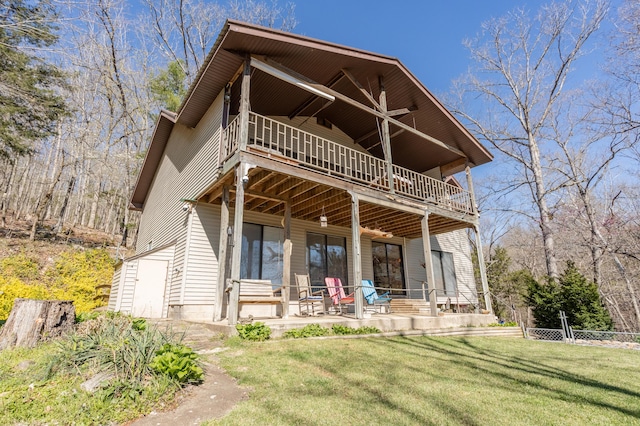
[212, 399]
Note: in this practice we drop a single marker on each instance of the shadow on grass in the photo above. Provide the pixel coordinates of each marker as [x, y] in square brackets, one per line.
[376, 401]
[460, 348]
[400, 380]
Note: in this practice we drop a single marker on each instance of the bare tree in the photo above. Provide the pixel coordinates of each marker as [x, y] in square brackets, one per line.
[184, 30]
[523, 63]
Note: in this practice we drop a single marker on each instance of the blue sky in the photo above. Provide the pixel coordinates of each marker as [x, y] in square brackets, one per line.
[426, 35]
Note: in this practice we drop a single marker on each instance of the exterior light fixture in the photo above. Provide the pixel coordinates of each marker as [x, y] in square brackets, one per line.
[323, 219]
[188, 204]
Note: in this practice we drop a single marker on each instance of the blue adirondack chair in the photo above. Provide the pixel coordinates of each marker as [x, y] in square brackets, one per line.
[374, 300]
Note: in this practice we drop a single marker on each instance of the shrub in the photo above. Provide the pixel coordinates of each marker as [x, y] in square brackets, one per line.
[12, 288]
[257, 331]
[20, 266]
[575, 295]
[177, 362]
[76, 274]
[345, 330]
[311, 330]
[504, 324]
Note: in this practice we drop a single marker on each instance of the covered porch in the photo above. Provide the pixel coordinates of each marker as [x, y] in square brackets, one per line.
[258, 182]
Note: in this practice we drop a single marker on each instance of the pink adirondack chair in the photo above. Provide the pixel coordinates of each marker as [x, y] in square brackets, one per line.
[336, 292]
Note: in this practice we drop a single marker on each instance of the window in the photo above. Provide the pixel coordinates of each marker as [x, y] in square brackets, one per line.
[326, 257]
[445, 273]
[388, 269]
[262, 252]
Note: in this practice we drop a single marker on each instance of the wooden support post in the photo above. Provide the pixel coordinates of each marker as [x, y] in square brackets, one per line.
[225, 122]
[483, 271]
[357, 255]
[472, 195]
[236, 252]
[244, 105]
[386, 138]
[222, 254]
[476, 228]
[286, 262]
[428, 265]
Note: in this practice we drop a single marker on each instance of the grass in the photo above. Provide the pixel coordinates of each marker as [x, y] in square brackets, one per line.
[422, 381]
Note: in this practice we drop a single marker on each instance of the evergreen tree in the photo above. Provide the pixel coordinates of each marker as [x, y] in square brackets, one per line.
[507, 287]
[29, 105]
[168, 86]
[572, 293]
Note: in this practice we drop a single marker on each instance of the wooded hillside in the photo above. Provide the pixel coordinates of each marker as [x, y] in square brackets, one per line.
[554, 92]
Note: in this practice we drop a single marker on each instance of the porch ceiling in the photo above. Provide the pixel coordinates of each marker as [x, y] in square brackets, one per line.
[267, 192]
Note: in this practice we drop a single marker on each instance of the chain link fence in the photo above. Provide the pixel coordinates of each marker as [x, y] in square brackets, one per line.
[544, 334]
[568, 335]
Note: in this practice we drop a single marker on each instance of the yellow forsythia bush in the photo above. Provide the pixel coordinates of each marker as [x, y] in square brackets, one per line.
[12, 288]
[74, 276]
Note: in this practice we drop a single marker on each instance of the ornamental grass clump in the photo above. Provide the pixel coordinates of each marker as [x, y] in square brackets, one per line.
[121, 347]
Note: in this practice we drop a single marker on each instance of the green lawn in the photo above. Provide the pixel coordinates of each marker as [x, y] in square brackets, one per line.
[421, 380]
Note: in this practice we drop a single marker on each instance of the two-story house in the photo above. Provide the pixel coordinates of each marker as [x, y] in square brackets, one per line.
[291, 155]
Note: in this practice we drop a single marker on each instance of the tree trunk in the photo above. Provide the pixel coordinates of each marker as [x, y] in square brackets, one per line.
[24, 180]
[33, 320]
[94, 206]
[540, 194]
[6, 195]
[65, 202]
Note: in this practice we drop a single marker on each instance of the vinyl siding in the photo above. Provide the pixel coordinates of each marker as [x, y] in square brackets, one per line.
[201, 271]
[176, 282]
[129, 272]
[455, 242]
[115, 286]
[188, 166]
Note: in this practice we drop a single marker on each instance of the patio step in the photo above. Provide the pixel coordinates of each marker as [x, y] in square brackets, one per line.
[410, 306]
[198, 336]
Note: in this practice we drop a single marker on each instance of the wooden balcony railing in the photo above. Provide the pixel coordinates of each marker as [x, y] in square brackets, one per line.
[286, 143]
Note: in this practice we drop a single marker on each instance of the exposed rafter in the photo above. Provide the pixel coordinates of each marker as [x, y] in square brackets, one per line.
[286, 74]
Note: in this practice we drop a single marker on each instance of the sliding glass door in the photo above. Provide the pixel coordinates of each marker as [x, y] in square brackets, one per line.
[262, 253]
[326, 257]
[388, 267]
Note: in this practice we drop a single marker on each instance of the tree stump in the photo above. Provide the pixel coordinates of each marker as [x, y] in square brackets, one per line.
[33, 320]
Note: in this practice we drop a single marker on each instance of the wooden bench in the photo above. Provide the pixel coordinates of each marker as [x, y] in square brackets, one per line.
[258, 298]
[259, 292]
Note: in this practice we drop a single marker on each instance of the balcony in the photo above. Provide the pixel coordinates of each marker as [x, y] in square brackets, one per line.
[290, 145]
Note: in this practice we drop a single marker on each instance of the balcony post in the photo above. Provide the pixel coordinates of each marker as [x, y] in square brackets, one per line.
[386, 137]
[428, 265]
[244, 105]
[222, 253]
[357, 255]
